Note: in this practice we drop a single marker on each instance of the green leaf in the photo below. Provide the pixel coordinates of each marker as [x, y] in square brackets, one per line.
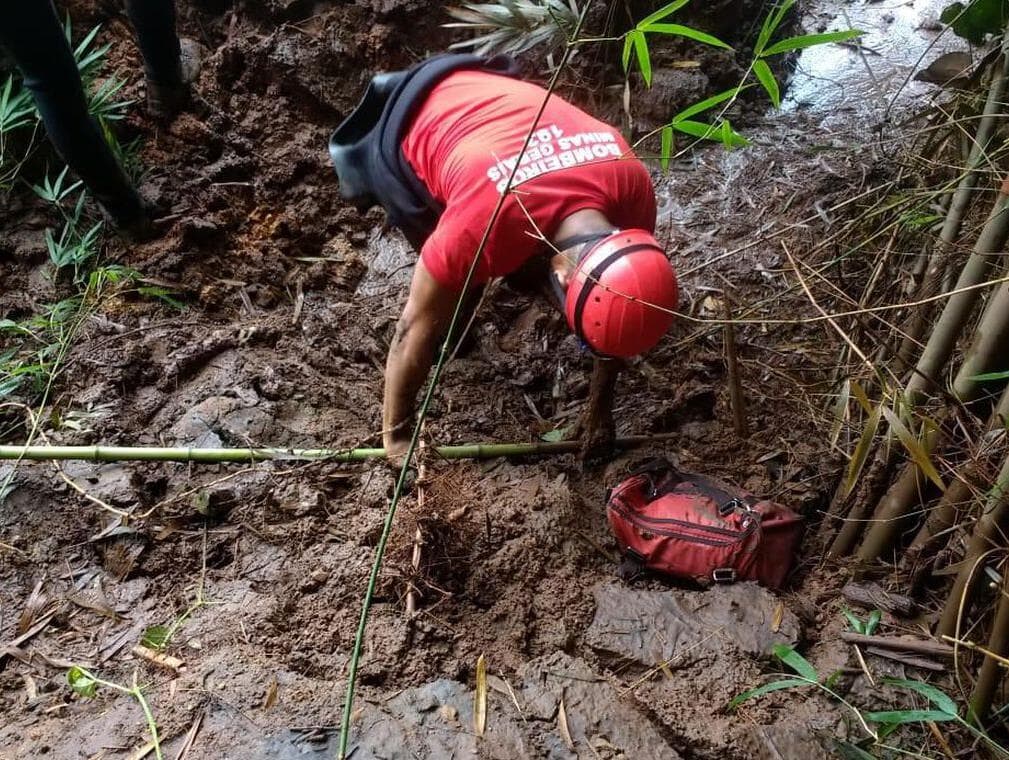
[771, 24]
[1004, 375]
[767, 688]
[914, 448]
[625, 57]
[166, 295]
[809, 40]
[936, 696]
[708, 132]
[666, 151]
[795, 661]
[704, 105]
[661, 13]
[155, 637]
[763, 72]
[82, 683]
[862, 449]
[976, 20]
[898, 717]
[856, 625]
[679, 30]
[644, 60]
[873, 622]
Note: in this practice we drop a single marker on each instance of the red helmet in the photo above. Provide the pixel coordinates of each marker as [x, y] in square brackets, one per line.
[621, 295]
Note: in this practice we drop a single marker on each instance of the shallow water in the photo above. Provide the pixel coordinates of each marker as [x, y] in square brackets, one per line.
[841, 81]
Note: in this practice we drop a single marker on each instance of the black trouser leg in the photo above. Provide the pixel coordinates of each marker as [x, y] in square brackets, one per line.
[154, 23]
[32, 33]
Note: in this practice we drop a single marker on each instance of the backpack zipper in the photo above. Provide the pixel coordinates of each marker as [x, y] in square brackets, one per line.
[736, 536]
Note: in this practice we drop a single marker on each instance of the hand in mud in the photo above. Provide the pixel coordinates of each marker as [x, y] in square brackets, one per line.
[597, 434]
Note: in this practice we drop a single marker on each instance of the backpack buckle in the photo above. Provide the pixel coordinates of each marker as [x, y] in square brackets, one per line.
[726, 509]
[723, 575]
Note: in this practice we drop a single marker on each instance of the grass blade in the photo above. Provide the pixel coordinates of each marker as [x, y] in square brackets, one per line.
[767, 688]
[796, 662]
[934, 695]
[861, 452]
[679, 30]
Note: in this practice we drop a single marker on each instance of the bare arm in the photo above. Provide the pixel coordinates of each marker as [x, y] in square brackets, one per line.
[423, 323]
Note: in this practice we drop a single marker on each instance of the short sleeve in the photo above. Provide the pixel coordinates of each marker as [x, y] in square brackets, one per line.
[448, 253]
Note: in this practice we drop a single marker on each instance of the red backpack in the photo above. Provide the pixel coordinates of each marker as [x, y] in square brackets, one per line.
[695, 527]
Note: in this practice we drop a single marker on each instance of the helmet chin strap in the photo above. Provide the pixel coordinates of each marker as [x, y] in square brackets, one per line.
[585, 239]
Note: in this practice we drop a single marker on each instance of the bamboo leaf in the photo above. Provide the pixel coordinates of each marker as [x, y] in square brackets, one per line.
[937, 697]
[667, 147]
[796, 662]
[709, 132]
[861, 397]
[861, 452]
[848, 751]
[809, 40]
[898, 717]
[679, 30]
[763, 72]
[704, 105]
[840, 411]
[918, 454]
[480, 703]
[767, 688]
[771, 23]
[1004, 375]
[644, 60]
[661, 13]
[856, 625]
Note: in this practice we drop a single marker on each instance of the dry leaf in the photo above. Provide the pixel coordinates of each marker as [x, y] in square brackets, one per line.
[33, 610]
[94, 600]
[562, 725]
[779, 615]
[271, 694]
[480, 705]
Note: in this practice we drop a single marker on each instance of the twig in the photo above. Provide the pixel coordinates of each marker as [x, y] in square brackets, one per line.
[732, 365]
[418, 536]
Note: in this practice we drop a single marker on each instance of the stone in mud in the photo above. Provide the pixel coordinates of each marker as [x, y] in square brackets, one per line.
[596, 716]
[436, 720]
[652, 626]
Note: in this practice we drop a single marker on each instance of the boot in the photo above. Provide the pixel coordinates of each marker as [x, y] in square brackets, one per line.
[165, 101]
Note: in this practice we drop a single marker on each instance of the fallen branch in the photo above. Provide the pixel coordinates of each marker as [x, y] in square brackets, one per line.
[899, 644]
[218, 456]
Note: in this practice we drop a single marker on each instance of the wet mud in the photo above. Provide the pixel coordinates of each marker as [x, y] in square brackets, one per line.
[291, 298]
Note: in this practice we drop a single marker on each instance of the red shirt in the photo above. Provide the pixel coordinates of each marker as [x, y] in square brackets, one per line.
[463, 143]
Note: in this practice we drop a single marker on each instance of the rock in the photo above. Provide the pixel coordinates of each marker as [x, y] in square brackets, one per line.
[436, 720]
[596, 716]
[651, 626]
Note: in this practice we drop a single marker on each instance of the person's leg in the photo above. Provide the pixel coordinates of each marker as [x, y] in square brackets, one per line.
[154, 23]
[32, 33]
[170, 64]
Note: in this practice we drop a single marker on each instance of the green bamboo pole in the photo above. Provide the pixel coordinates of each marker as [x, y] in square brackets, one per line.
[221, 456]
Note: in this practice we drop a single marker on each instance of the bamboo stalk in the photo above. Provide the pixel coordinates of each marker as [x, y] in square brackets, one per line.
[991, 672]
[957, 496]
[225, 455]
[958, 204]
[987, 352]
[987, 533]
[958, 307]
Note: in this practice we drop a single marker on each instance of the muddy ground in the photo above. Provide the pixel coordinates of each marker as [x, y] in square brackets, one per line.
[290, 302]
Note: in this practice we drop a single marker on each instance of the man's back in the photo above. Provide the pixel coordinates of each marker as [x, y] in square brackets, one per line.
[463, 144]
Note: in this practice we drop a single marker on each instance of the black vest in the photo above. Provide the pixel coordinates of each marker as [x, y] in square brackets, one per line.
[366, 151]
